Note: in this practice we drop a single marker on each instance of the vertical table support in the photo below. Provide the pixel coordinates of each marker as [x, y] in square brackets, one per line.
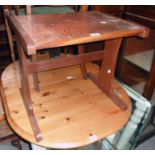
[35, 75]
[81, 50]
[107, 72]
[105, 79]
[26, 93]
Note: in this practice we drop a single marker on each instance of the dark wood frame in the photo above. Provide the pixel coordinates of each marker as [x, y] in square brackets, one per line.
[143, 15]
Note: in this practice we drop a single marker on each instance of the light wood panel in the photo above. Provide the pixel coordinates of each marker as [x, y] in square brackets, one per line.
[71, 111]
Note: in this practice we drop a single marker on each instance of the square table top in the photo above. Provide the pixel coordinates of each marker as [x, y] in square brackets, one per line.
[49, 31]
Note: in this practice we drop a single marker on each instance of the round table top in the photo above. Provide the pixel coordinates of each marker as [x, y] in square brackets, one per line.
[70, 111]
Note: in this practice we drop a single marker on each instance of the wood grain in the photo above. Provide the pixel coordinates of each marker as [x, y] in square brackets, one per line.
[150, 84]
[71, 112]
[49, 31]
[25, 91]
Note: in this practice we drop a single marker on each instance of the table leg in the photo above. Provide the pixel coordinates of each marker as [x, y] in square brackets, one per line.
[10, 39]
[81, 50]
[26, 93]
[105, 79]
[150, 84]
[35, 75]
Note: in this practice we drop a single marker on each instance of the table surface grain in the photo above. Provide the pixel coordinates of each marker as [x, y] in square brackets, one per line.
[48, 31]
[71, 112]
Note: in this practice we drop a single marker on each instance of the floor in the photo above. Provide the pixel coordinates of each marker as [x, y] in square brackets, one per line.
[143, 59]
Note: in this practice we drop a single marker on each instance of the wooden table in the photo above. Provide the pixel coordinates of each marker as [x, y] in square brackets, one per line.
[34, 32]
[71, 112]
